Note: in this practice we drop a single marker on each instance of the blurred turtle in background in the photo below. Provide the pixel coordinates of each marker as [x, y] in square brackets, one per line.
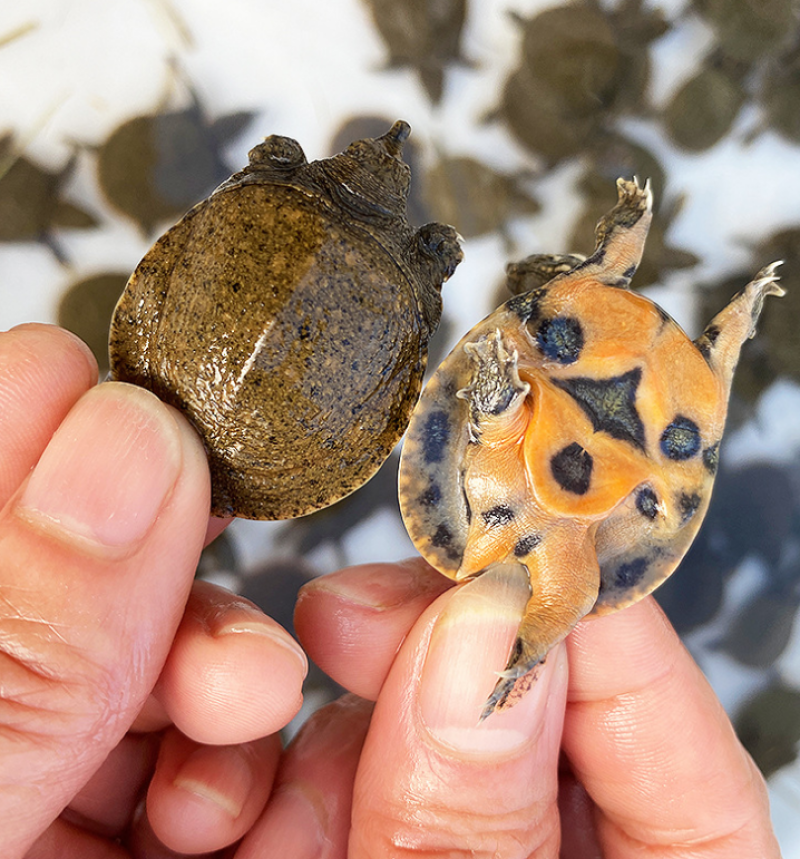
[581, 66]
[421, 35]
[153, 168]
[31, 203]
[85, 308]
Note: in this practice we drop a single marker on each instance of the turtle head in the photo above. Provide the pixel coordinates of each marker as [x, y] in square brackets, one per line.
[370, 179]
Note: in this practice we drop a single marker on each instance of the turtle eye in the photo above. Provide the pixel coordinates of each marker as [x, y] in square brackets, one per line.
[280, 153]
[441, 243]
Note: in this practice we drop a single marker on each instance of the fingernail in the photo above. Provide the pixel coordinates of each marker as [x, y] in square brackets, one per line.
[231, 781]
[292, 826]
[469, 645]
[256, 625]
[378, 586]
[108, 468]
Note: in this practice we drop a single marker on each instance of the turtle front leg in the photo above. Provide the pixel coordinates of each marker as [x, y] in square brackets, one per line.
[620, 236]
[495, 393]
[564, 588]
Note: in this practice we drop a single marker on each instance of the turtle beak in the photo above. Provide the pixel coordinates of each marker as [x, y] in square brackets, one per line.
[721, 342]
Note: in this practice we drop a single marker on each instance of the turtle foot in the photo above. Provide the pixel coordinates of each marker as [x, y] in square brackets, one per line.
[513, 684]
[620, 235]
[495, 389]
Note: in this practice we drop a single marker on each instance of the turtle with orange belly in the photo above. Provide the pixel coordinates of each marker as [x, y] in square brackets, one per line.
[573, 436]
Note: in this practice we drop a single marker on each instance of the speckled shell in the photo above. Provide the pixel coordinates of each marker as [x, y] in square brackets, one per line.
[288, 316]
[575, 431]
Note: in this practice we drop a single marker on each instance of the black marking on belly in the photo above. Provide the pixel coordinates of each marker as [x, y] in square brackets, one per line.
[431, 496]
[442, 538]
[681, 439]
[647, 502]
[525, 545]
[631, 573]
[711, 458]
[610, 404]
[688, 504]
[435, 436]
[572, 469]
[500, 514]
[561, 339]
[666, 319]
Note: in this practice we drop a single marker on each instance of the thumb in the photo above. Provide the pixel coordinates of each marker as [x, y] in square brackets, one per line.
[97, 553]
[433, 776]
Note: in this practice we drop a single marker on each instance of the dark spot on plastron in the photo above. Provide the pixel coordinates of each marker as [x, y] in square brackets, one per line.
[561, 339]
[610, 404]
[711, 458]
[526, 544]
[688, 504]
[663, 315]
[442, 538]
[631, 573]
[435, 435]
[431, 496]
[647, 502]
[500, 514]
[681, 439]
[572, 469]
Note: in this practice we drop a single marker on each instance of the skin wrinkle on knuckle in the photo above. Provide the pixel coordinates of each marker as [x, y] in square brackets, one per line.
[52, 688]
[731, 843]
[422, 828]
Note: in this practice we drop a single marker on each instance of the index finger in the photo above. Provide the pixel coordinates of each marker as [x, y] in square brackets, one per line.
[652, 745]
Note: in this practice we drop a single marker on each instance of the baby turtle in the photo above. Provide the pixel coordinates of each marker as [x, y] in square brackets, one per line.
[153, 167]
[31, 202]
[573, 436]
[288, 317]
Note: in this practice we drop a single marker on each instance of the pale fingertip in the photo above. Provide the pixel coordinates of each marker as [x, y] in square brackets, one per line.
[380, 586]
[233, 673]
[291, 826]
[203, 798]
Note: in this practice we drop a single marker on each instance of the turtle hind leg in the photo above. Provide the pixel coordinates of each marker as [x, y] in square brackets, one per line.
[557, 603]
[620, 236]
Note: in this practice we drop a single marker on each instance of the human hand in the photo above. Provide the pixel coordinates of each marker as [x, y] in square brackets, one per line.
[647, 764]
[118, 675]
[88, 620]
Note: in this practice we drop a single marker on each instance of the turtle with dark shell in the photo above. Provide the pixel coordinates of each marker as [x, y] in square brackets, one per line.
[288, 316]
[573, 437]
